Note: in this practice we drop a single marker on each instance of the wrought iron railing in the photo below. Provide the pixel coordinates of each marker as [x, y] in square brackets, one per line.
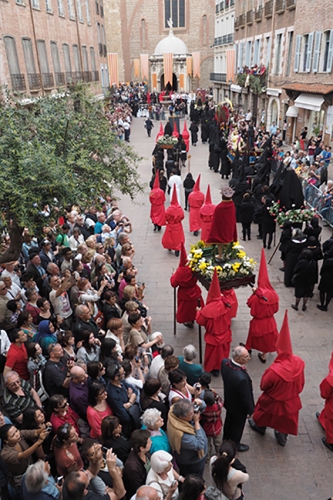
[34, 81]
[60, 78]
[218, 77]
[18, 81]
[48, 80]
[268, 10]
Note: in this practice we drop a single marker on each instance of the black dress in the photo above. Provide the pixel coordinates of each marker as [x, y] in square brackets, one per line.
[293, 251]
[305, 276]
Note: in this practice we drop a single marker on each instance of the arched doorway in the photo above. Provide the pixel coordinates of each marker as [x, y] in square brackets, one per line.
[169, 87]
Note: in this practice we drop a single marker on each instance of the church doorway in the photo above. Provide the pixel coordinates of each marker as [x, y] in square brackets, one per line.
[169, 87]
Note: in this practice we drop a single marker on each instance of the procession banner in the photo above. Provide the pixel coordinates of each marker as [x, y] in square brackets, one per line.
[196, 64]
[144, 67]
[230, 64]
[189, 66]
[136, 64]
[168, 66]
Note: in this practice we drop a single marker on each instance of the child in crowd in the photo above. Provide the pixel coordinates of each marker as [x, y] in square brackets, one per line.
[211, 420]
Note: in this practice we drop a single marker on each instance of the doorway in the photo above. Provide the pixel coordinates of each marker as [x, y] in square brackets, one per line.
[168, 86]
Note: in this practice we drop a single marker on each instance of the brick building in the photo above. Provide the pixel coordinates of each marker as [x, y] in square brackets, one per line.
[48, 44]
[135, 27]
[295, 44]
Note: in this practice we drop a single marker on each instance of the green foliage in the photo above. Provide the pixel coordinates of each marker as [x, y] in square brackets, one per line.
[56, 151]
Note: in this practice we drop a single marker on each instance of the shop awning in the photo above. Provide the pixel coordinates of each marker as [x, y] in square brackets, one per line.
[236, 88]
[309, 101]
[292, 112]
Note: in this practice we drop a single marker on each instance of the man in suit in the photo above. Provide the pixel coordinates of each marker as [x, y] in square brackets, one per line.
[238, 395]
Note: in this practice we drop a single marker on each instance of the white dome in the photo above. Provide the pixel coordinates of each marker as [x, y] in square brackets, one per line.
[171, 44]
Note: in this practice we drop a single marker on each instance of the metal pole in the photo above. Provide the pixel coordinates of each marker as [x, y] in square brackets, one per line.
[200, 339]
[277, 246]
[174, 312]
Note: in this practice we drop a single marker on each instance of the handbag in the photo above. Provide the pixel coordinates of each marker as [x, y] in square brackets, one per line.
[213, 493]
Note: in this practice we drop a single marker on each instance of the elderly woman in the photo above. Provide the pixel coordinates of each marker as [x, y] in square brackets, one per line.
[153, 422]
[162, 476]
[37, 481]
[193, 371]
[187, 438]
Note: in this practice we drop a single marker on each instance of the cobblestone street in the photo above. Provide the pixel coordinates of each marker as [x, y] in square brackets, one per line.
[303, 469]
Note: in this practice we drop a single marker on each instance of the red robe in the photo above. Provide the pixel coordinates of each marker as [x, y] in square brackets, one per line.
[215, 318]
[196, 200]
[326, 416]
[173, 236]
[157, 211]
[188, 294]
[206, 215]
[231, 297]
[263, 332]
[223, 228]
[279, 404]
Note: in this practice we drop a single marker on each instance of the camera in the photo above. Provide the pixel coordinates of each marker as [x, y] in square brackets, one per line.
[48, 428]
[196, 408]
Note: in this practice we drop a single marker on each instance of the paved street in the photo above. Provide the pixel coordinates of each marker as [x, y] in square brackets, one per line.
[303, 469]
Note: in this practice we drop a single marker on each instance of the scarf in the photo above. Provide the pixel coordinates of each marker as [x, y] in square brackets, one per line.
[176, 428]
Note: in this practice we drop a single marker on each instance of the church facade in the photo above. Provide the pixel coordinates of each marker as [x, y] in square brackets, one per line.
[135, 27]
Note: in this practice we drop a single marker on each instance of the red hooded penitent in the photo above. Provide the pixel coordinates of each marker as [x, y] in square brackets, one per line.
[263, 304]
[188, 291]
[215, 317]
[223, 228]
[196, 200]
[326, 392]
[279, 404]
[206, 215]
[157, 200]
[173, 236]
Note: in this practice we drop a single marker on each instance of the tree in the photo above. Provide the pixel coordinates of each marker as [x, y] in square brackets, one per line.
[56, 151]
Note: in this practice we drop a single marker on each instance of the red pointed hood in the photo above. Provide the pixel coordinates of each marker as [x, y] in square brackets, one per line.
[185, 133]
[214, 292]
[156, 184]
[175, 132]
[329, 377]
[207, 208]
[174, 199]
[288, 366]
[263, 279]
[183, 256]
[197, 184]
[160, 132]
[208, 199]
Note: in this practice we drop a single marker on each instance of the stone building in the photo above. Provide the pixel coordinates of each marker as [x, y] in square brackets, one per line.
[135, 27]
[48, 44]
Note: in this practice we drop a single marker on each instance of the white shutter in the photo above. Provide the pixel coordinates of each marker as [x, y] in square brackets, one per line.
[297, 53]
[330, 54]
[309, 53]
[316, 55]
[268, 51]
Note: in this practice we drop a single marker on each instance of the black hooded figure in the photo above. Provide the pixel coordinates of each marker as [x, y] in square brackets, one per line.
[291, 192]
[225, 163]
[241, 186]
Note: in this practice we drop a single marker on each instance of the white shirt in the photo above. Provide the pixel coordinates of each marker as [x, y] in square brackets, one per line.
[15, 278]
[61, 304]
[175, 180]
[155, 366]
[5, 342]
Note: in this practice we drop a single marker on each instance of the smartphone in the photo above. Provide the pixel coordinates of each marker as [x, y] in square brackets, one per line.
[59, 480]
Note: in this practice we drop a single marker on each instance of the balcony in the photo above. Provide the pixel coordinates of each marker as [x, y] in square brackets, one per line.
[100, 48]
[87, 76]
[290, 4]
[60, 79]
[236, 24]
[241, 20]
[268, 9]
[258, 15]
[249, 17]
[34, 81]
[223, 40]
[218, 77]
[78, 76]
[279, 6]
[48, 80]
[18, 82]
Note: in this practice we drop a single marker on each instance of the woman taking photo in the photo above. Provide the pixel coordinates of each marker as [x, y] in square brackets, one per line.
[16, 454]
[98, 409]
[34, 419]
[180, 389]
[66, 453]
[112, 437]
[226, 478]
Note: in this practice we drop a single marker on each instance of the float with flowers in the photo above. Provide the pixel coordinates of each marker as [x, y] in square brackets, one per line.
[295, 215]
[234, 270]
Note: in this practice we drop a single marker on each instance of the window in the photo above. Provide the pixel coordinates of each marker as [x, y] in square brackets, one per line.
[35, 4]
[67, 57]
[48, 6]
[76, 57]
[204, 30]
[97, 7]
[307, 52]
[60, 8]
[248, 51]
[328, 51]
[92, 59]
[278, 54]
[256, 53]
[55, 57]
[28, 56]
[79, 10]
[85, 58]
[99, 32]
[71, 9]
[11, 53]
[290, 51]
[175, 10]
[297, 53]
[240, 55]
[43, 62]
[101, 9]
[268, 51]
[88, 12]
[316, 55]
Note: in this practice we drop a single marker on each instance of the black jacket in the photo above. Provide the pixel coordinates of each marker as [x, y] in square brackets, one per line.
[238, 392]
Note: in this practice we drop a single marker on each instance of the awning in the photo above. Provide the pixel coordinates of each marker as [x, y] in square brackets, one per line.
[273, 92]
[309, 101]
[236, 88]
[292, 112]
